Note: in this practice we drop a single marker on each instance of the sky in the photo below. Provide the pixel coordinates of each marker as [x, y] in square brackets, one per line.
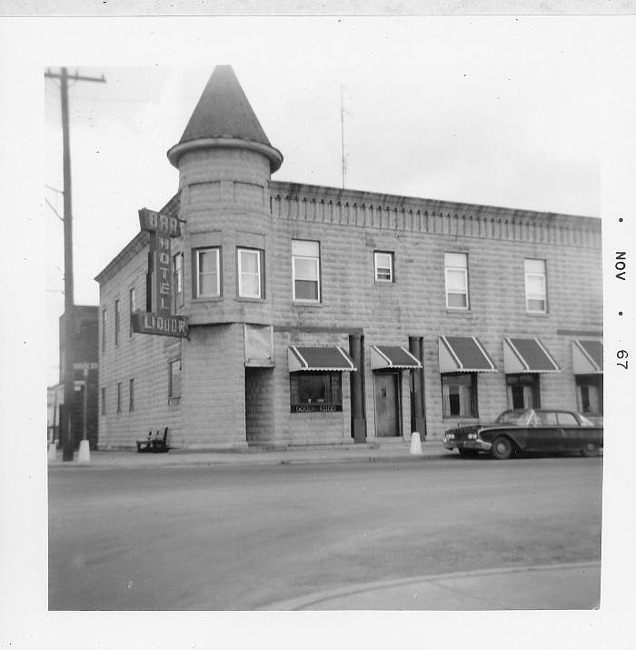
[501, 111]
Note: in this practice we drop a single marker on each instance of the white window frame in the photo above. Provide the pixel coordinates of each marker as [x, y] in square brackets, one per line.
[536, 296]
[200, 251]
[448, 267]
[241, 273]
[316, 260]
[382, 267]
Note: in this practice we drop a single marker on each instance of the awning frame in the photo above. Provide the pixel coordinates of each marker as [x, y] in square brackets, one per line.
[582, 358]
[448, 348]
[519, 358]
[298, 363]
[381, 361]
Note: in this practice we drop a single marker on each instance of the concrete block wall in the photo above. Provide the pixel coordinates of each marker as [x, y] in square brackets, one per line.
[224, 200]
[213, 402]
[309, 428]
[141, 357]
[414, 305]
[350, 227]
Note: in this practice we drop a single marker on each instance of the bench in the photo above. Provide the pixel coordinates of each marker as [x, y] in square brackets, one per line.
[154, 444]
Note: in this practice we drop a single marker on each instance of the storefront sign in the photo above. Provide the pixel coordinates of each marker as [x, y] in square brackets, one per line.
[158, 319]
[315, 408]
[148, 323]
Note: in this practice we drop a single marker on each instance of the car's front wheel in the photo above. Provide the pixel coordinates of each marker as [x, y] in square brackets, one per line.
[501, 448]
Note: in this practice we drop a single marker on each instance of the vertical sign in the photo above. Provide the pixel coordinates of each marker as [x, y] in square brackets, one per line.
[158, 319]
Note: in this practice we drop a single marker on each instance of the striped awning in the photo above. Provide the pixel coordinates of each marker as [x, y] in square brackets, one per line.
[463, 354]
[587, 357]
[527, 355]
[331, 358]
[392, 356]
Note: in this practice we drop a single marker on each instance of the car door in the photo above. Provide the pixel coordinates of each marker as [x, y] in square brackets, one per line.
[572, 434]
[546, 435]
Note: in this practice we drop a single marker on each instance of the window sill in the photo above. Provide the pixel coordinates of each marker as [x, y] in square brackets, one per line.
[297, 303]
[204, 299]
[538, 314]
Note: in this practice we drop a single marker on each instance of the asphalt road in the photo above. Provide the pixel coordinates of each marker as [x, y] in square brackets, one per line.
[241, 538]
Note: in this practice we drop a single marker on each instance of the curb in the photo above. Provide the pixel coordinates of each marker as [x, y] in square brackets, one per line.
[320, 597]
[244, 461]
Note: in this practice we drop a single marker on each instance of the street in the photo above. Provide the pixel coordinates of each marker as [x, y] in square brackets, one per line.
[246, 537]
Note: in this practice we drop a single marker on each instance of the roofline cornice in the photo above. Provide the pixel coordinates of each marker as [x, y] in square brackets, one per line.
[343, 196]
[274, 155]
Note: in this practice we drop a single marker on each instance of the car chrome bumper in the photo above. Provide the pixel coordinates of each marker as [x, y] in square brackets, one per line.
[478, 445]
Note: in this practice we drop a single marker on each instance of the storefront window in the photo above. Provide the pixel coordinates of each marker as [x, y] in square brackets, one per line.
[523, 391]
[316, 391]
[459, 393]
[174, 387]
[589, 394]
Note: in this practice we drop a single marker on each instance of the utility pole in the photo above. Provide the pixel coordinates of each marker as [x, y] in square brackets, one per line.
[69, 306]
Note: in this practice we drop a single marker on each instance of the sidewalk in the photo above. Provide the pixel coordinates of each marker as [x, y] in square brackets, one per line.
[555, 587]
[394, 450]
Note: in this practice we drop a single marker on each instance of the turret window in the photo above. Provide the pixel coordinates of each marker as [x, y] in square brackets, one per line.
[207, 272]
[249, 273]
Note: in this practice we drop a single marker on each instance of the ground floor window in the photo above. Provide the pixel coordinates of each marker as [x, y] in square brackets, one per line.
[523, 391]
[459, 395]
[589, 394]
[174, 383]
[315, 391]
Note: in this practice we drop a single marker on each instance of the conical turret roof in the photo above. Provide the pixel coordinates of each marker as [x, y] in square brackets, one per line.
[224, 113]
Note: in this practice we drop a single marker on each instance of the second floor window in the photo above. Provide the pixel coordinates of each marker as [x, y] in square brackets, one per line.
[132, 305]
[207, 273]
[383, 263]
[104, 320]
[116, 322]
[249, 273]
[306, 270]
[456, 276]
[131, 395]
[536, 291]
[178, 280]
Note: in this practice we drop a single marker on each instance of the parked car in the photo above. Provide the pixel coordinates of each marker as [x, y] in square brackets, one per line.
[528, 430]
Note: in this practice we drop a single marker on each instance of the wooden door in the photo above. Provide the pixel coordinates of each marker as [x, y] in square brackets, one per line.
[387, 420]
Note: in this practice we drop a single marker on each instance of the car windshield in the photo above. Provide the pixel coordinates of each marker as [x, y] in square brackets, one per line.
[515, 417]
[585, 422]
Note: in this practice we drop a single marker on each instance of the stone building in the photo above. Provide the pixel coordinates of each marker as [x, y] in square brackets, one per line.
[319, 315]
[85, 355]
